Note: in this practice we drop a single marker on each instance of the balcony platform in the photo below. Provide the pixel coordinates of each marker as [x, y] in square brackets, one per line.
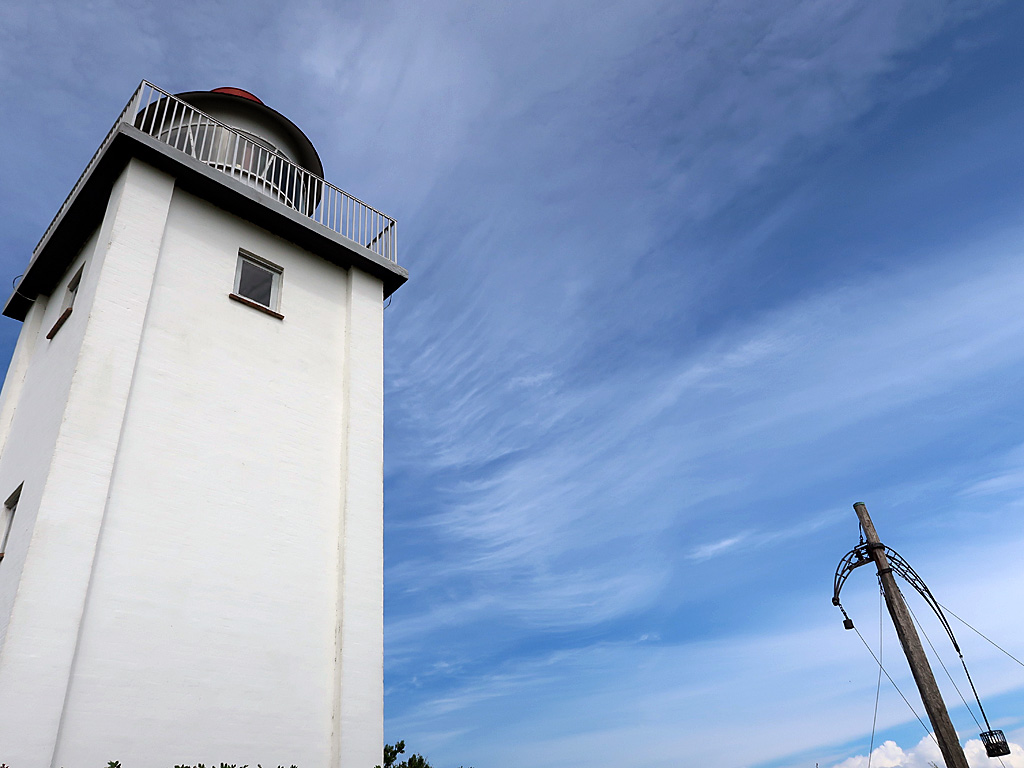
[85, 206]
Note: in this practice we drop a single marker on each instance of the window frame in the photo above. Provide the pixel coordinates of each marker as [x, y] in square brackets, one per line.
[7, 522]
[277, 277]
[68, 304]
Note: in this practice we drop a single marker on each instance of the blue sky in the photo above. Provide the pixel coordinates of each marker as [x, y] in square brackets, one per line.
[687, 280]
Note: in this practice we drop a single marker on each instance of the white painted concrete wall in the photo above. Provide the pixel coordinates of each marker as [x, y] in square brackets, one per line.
[201, 521]
[79, 412]
[32, 406]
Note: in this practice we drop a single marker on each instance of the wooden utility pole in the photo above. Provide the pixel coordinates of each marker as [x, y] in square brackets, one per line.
[945, 734]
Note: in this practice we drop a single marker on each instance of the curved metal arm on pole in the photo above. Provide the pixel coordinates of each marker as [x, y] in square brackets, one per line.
[859, 556]
[855, 558]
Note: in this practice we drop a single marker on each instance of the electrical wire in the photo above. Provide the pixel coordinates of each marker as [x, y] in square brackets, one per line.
[979, 633]
[905, 701]
[878, 685]
[942, 664]
[987, 727]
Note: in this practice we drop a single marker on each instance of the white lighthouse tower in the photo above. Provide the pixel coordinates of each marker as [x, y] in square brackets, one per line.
[191, 465]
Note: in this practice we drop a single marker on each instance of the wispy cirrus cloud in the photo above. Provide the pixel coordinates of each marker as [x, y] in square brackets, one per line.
[547, 519]
[705, 551]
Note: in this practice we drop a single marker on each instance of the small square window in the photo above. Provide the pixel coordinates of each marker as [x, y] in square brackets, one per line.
[7, 519]
[69, 302]
[257, 282]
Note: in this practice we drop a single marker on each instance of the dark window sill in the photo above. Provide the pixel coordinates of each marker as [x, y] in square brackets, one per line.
[60, 321]
[254, 305]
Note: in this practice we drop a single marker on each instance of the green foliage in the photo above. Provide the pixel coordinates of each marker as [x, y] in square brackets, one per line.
[391, 753]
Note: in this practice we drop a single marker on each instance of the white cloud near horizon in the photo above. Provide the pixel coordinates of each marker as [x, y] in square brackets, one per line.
[926, 754]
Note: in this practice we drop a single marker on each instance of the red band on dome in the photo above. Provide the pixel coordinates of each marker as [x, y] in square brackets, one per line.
[237, 92]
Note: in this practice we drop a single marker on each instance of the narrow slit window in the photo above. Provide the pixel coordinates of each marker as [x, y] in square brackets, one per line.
[70, 293]
[72, 290]
[7, 519]
[257, 283]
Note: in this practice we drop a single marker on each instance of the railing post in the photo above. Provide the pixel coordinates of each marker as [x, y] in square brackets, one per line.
[135, 107]
[209, 140]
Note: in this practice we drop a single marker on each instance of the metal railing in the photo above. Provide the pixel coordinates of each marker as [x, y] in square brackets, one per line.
[254, 162]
